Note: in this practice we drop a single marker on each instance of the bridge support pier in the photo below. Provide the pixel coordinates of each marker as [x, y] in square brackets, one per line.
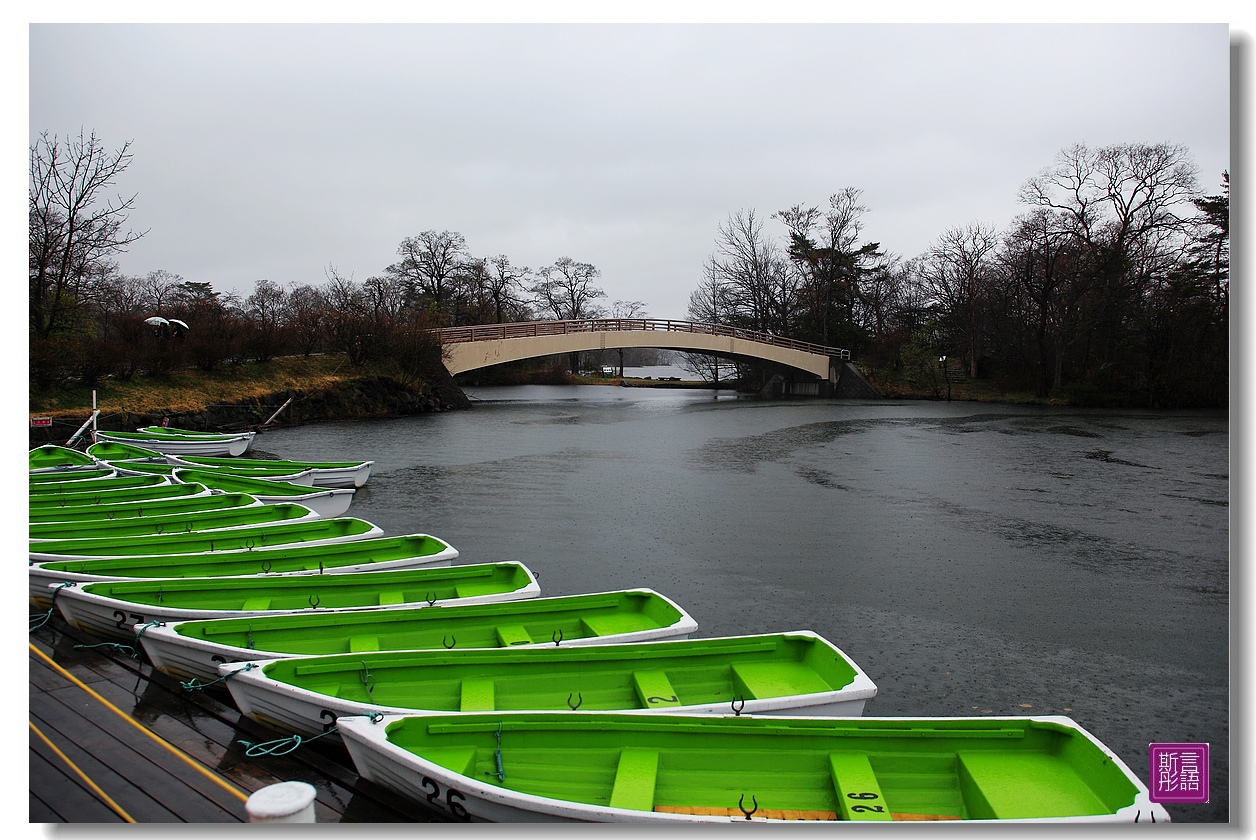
[845, 381]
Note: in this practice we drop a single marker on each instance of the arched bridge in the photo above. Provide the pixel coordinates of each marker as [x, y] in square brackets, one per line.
[468, 348]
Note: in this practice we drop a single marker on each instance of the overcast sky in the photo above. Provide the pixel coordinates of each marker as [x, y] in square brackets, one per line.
[275, 151]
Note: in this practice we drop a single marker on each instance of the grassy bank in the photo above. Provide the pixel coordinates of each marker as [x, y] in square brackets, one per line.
[192, 390]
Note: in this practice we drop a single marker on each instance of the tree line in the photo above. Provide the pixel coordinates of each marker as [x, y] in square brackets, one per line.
[89, 320]
[1112, 287]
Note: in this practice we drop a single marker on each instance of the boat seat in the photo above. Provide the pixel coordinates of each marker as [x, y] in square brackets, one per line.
[635, 777]
[1000, 786]
[392, 597]
[477, 696]
[362, 644]
[513, 634]
[471, 590]
[761, 680]
[260, 603]
[857, 788]
[609, 625]
[654, 690]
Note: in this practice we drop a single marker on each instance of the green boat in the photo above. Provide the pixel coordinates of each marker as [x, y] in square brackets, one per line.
[323, 473]
[144, 466]
[365, 555]
[195, 648]
[42, 482]
[108, 450]
[664, 768]
[151, 491]
[796, 673]
[182, 444]
[309, 531]
[50, 489]
[86, 514]
[174, 523]
[171, 431]
[328, 501]
[113, 608]
[53, 457]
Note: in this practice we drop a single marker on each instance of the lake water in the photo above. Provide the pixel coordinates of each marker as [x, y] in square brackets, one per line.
[973, 559]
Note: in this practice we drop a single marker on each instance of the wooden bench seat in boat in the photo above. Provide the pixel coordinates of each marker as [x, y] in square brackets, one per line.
[513, 634]
[391, 598]
[472, 590]
[635, 777]
[760, 680]
[654, 690]
[477, 696]
[363, 644]
[607, 625]
[259, 603]
[1007, 786]
[858, 792]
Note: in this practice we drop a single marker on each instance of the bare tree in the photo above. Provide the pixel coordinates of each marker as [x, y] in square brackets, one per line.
[753, 281]
[505, 286]
[429, 266]
[566, 292]
[74, 227]
[955, 271]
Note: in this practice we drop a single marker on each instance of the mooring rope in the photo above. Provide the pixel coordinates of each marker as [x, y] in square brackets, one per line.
[277, 747]
[196, 685]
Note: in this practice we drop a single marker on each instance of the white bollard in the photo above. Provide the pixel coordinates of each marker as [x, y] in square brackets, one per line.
[285, 802]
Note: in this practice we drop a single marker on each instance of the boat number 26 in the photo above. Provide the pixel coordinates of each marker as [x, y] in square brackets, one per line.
[862, 808]
[455, 807]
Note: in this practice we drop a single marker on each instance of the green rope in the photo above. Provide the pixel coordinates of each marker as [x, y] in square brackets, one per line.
[52, 609]
[280, 746]
[130, 651]
[196, 685]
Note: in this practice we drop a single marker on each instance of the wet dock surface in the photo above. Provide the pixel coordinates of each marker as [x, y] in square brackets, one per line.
[160, 753]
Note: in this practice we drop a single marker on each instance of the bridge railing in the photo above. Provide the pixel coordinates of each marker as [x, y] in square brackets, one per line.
[532, 329]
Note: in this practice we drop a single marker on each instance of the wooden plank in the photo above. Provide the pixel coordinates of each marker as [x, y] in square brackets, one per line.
[73, 802]
[207, 728]
[120, 788]
[120, 759]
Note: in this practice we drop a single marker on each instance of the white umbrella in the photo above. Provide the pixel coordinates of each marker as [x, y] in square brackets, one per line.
[179, 324]
[157, 322]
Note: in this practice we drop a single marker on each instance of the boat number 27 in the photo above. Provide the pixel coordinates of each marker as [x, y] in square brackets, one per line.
[862, 808]
[455, 807]
[121, 616]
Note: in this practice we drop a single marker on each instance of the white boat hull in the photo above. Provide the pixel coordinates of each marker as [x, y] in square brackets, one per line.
[304, 712]
[117, 619]
[472, 800]
[330, 477]
[233, 446]
[326, 503]
[183, 657]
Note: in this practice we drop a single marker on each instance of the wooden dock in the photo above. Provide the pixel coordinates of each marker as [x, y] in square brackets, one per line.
[114, 740]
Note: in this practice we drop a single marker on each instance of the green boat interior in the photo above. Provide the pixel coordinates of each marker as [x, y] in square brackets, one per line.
[532, 621]
[629, 676]
[275, 560]
[323, 591]
[807, 769]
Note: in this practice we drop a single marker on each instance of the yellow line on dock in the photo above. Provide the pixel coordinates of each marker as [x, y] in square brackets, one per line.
[87, 779]
[243, 797]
